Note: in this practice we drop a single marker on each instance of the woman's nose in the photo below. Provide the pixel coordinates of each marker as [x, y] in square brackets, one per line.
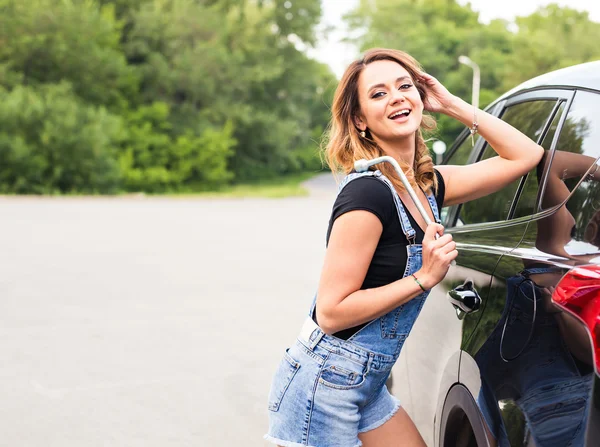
[396, 96]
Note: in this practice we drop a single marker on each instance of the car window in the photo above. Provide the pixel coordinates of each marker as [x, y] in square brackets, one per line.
[460, 156]
[529, 194]
[530, 118]
[576, 151]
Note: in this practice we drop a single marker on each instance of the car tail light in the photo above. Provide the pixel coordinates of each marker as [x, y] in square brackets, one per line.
[579, 292]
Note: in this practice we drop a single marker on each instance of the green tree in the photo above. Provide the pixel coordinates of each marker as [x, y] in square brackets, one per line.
[49, 41]
[193, 94]
[153, 160]
[553, 37]
[239, 64]
[52, 142]
[437, 32]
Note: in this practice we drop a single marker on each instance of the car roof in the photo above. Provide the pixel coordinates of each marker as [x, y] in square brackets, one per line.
[586, 76]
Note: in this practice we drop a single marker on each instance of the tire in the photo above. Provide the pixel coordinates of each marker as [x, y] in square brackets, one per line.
[461, 423]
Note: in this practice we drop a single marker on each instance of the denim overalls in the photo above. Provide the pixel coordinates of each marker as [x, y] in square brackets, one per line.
[326, 390]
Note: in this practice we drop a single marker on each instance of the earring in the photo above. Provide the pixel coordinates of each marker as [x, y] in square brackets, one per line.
[363, 134]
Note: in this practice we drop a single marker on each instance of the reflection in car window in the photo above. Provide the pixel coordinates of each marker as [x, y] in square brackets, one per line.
[530, 118]
[577, 149]
[528, 197]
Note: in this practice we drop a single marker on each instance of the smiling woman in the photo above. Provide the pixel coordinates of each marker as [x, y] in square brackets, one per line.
[372, 87]
[381, 259]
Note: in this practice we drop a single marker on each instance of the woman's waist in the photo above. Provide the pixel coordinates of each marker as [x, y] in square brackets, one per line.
[321, 344]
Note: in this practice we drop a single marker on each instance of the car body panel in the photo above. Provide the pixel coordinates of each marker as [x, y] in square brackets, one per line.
[433, 344]
[583, 77]
[535, 364]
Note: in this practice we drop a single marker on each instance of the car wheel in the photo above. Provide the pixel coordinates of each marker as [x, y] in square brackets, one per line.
[461, 423]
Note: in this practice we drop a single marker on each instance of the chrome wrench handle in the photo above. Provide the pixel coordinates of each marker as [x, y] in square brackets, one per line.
[363, 165]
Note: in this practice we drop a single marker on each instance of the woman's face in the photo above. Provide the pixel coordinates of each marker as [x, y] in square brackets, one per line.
[390, 104]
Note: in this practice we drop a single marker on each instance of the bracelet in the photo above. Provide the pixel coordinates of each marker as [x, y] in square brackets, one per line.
[475, 129]
[419, 283]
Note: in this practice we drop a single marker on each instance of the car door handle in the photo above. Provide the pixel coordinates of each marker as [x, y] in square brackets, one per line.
[465, 298]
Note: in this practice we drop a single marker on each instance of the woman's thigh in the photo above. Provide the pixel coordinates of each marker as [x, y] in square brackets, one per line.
[399, 431]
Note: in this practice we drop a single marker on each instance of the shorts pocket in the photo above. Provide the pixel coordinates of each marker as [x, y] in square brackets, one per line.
[288, 367]
[342, 375]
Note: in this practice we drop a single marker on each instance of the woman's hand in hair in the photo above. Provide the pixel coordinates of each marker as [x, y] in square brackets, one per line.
[437, 255]
[438, 99]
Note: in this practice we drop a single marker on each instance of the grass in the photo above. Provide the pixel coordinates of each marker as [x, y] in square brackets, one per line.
[275, 188]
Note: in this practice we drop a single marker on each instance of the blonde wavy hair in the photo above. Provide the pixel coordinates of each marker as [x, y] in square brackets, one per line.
[343, 143]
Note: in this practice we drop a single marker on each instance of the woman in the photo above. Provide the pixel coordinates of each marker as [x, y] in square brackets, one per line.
[381, 259]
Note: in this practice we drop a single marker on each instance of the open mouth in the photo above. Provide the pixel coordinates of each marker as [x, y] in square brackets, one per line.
[400, 114]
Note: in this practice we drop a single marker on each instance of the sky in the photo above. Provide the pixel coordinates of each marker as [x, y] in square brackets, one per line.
[338, 55]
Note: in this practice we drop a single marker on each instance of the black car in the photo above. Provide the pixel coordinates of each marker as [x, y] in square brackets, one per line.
[507, 349]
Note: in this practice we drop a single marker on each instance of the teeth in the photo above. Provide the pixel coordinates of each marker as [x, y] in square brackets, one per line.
[404, 112]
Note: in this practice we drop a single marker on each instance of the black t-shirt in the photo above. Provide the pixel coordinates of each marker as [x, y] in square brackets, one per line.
[389, 260]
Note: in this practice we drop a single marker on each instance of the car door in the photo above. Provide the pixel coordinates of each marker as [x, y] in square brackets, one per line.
[537, 364]
[487, 356]
[483, 234]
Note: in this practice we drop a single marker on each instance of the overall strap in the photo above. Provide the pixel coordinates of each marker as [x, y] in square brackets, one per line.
[434, 207]
[353, 176]
[407, 228]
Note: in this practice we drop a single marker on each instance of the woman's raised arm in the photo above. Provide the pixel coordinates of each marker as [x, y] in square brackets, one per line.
[517, 153]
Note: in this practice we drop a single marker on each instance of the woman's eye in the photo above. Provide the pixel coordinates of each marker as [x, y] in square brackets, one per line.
[378, 95]
[405, 86]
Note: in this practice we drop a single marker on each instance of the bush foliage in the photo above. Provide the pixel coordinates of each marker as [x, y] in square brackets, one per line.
[192, 95]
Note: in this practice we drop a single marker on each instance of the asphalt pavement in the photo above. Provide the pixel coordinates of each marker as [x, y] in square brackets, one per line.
[142, 321]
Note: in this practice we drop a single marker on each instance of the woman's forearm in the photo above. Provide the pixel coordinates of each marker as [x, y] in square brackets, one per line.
[508, 142]
[368, 304]
[567, 165]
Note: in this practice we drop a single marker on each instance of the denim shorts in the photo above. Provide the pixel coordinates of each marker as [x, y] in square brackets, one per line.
[326, 391]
